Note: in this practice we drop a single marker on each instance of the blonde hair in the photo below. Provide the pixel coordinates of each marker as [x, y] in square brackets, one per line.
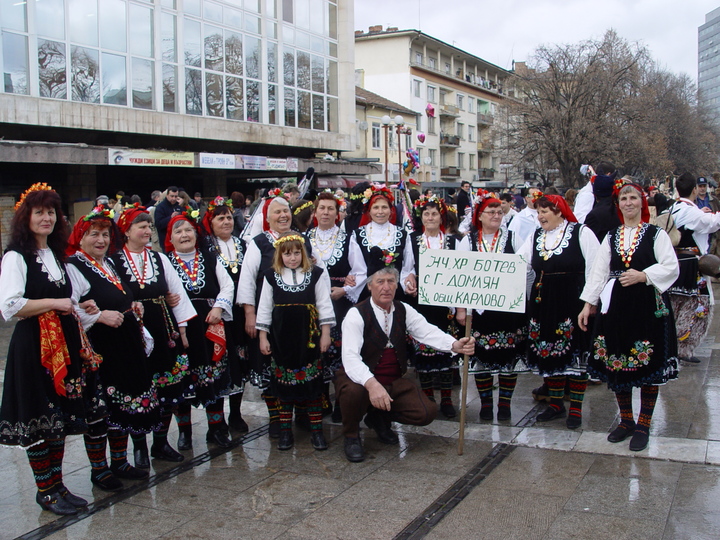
[289, 242]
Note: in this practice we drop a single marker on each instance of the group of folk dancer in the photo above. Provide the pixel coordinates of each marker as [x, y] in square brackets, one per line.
[113, 339]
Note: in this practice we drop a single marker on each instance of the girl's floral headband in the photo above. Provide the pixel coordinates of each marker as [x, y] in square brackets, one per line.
[290, 237]
[420, 204]
[302, 207]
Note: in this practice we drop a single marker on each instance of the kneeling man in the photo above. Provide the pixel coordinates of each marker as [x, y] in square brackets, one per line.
[374, 355]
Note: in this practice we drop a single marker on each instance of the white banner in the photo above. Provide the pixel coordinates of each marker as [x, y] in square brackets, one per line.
[217, 161]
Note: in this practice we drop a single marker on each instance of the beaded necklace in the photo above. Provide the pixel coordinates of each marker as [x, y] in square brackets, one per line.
[545, 253]
[232, 264]
[325, 246]
[441, 238]
[627, 254]
[483, 245]
[370, 234]
[111, 277]
[139, 275]
[191, 273]
[57, 281]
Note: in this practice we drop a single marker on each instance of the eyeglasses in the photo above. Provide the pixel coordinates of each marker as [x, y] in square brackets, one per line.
[493, 212]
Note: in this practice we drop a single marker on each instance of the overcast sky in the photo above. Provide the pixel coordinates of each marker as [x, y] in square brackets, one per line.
[501, 31]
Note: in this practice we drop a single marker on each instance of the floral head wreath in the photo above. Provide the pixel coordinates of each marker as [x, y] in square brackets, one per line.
[39, 186]
[275, 192]
[99, 212]
[219, 201]
[302, 207]
[85, 222]
[289, 238]
[190, 214]
[537, 196]
[420, 204]
[377, 189]
[452, 209]
[620, 183]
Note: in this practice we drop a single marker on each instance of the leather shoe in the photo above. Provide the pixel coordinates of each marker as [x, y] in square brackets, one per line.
[448, 410]
[129, 472]
[573, 421]
[620, 433]
[166, 453]
[317, 438]
[551, 413]
[106, 481]
[218, 437]
[504, 413]
[384, 433]
[185, 440]
[690, 359]
[77, 502]
[238, 423]
[354, 450]
[639, 441]
[54, 502]
[286, 440]
[274, 429]
[142, 458]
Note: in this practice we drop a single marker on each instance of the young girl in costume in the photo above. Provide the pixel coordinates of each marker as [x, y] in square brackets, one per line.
[294, 318]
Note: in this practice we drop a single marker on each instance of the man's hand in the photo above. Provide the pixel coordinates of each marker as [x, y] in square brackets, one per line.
[336, 293]
[379, 398]
[707, 210]
[464, 345]
[411, 285]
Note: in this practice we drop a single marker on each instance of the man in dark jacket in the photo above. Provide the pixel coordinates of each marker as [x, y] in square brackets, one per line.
[603, 217]
[164, 211]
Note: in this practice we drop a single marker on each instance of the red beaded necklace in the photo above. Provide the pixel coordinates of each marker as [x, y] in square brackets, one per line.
[111, 277]
[191, 273]
[627, 254]
[139, 275]
[483, 245]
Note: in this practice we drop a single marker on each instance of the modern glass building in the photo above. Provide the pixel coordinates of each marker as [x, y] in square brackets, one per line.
[709, 62]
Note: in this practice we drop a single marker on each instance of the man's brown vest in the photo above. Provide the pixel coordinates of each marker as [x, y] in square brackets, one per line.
[374, 338]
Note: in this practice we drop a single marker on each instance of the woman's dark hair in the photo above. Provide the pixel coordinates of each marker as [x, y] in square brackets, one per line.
[418, 218]
[21, 237]
[301, 219]
[356, 205]
[238, 200]
[452, 223]
[544, 202]
[325, 196]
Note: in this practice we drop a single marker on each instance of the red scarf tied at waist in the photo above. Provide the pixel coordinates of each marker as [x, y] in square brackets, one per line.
[216, 334]
[54, 355]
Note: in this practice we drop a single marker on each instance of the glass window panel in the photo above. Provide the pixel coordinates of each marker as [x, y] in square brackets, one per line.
[288, 11]
[271, 30]
[332, 49]
[289, 107]
[318, 111]
[15, 63]
[142, 83]
[83, 22]
[302, 14]
[303, 70]
[302, 39]
[272, 49]
[288, 34]
[272, 104]
[318, 74]
[332, 78]
[332, 114]
[193, 91]
[237, 3]
[252, 5]
[289, 66]
[252, 57]
[235, 96]
[169, 4]
[52, 69]
[141, 30]
[252, 98]
[271, 8]
[317, 21]
[233, 53]
[252, 24]
[114, 79]
[304, 114]
[168, 37]
[112, 25]
[193, 43]
[213, 12]
[214, 54]
[169, 84]
[215, 98]
[192, 7]
[13, 15]
[50, 18]
[85, 74]
[317, 44]
[332, 21]
[233, 18]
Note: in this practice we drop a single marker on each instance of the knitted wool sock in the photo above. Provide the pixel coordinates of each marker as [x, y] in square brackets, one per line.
[484, 383]
[39, 458]
[273, 407]
[215, 415]
[160, 436]
[56, 454]
[118, 441]
[446, 384]
[624, 401]
[556, 391]
[235, 403]
[183, 416]
[314, 411]
[285, 415]
[578, 385]
[507, 387]
[648, 398]
[426, 385]
[95, 449]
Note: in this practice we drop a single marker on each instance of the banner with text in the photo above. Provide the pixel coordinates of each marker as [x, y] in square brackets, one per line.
[468, 279]
[150, 158]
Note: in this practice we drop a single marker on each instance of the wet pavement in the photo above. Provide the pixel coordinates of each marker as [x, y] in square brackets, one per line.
[515, 479]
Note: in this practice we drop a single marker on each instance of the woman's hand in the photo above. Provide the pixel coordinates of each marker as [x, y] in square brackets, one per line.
[264, 344]
[588, 311]
[350, 281]
[411, 285]
[183, 336]
[64, 306]
[172, 299]
[325, 340]
[250, 329]
[215, 316]
[89, 307]
[631, 277]
[336, 293]
[111, 318]
[460, 316]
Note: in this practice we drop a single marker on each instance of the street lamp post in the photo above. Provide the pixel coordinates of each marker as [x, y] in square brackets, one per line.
[399, 123]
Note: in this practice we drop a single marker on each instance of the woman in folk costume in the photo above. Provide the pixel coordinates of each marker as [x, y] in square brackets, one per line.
[210, 290]
[50, 364]
[152, 281]
[116, 332]
[296, 313]
[561, 253]
[217, 228]
[499, 336]
[380, 243]
[330, 243]
[634, 341]
[430, 233]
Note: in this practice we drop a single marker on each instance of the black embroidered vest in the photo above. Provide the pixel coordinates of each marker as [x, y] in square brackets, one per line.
[374, 338]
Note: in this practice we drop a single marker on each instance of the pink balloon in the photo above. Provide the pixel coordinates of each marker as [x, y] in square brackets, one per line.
[421, 137]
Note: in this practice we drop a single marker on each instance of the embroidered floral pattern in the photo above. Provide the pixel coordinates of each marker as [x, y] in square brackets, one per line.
[295, 376]
[639, 356]
[551, 348]
[152, 257]
[499, 339]
[161, 380]
[562, 244]
[293, 288]
[186, 281]
[336, 250]
[365, 241]
[133, 405]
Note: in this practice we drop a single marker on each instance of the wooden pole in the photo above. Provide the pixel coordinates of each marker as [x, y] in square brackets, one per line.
[463, 392]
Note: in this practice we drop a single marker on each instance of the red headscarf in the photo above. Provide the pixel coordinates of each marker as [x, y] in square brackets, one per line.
[173, 220]
[272, 195]
[483, 199]
[561, 204]
[128, 216]
[644, 209]
[83, 224]
[217, 202]
[365, 219]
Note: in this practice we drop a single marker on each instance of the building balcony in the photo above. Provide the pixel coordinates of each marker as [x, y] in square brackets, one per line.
[449, 110]
[485, 119]
[449, 172]
[449, 140]
[485, 146]
[485, 174]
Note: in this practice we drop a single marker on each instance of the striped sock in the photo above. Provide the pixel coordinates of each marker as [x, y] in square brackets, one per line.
[95, 448]
[285, 415]
[314, 411]
[507, 387]
[426, 385]
[160, 435]
[273, 407]
[624, 401]
[556, 391]
[118, 442]
[39, 458]
[446, 384]
[648, 398]
[57, 452]
[215, 414]
[183, 415]
[484, 383]
[578, 385]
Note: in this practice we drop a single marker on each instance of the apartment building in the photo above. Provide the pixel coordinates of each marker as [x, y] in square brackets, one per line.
[709, 62]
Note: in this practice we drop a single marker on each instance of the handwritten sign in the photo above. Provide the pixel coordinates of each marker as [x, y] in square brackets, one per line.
[468, 279]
